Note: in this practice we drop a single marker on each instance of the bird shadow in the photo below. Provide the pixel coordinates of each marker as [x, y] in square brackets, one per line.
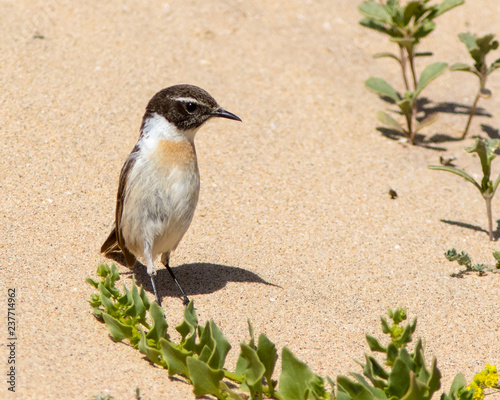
[195, 278]
[496, 232]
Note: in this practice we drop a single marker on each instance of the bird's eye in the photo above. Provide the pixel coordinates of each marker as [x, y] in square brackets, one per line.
[190, 107]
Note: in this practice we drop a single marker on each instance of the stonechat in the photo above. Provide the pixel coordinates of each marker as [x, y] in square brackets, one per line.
[160, 181]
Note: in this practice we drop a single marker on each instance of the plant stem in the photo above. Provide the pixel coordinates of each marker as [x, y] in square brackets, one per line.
[411, 59]
[233, 376]
[409, 122]
[482, 84]
[490, 218]
[402, 60]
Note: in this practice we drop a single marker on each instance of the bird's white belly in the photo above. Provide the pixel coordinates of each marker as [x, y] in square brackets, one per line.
[159, 206]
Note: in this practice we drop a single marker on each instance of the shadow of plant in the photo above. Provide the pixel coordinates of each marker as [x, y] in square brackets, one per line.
[425, 108]
[496, 233]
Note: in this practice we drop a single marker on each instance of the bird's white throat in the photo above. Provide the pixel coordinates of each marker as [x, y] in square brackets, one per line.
[157, 128]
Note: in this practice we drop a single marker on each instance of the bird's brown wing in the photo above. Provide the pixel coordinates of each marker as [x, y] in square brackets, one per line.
[115, 240]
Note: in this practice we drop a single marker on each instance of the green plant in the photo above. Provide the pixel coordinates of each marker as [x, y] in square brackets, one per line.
[478, 48]
[464, 259]
[408, 376]
[202, 350]
[406, 25]
[485, 149]
[496, 255]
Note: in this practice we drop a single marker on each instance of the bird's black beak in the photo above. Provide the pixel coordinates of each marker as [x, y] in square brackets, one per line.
[220, 112]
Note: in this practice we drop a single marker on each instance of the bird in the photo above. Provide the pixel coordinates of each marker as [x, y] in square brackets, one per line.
[159, 182]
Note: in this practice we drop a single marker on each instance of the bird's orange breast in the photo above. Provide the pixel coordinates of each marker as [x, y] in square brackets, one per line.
[179, 154]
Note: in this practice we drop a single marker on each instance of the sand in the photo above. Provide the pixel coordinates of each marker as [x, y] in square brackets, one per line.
[294, 229]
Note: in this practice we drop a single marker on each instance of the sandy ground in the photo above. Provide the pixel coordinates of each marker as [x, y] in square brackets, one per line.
[295, 196]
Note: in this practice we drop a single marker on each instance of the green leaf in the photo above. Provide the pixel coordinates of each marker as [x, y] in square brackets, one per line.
[117, 330]
[405, 357]
[204, 354]
[356, 390]
[417, 389]
[398, 382]
[406, 104]
[429, 120]
[103, 270]
[387, 54]
[479, 47]
[205, 379]
[392, 354]
[430, 73]
[144, 298]
[159, 328]
[418, 357]
[406, 337]
[376, 393]
[377, 26]
[266, 350]
[459, 66]
[382, 88]
[434, 381]
[375, 345]
[447, 5]
[90, 281]
[456, 171]
[423, 29]
[485, 149]
[221, 349]
[375, 372]
[137, 307]
[206, 340]
[126, 299]
[175, 358]
[387, 120]
[494, 65]
[109, 306]
[241, 363]
[458, 384]
[154, 355]
[296, 379]
[254, 371]
[409, 11]
[385, 326]
[188, 327]
[407, 43]
[114, 274]
[375, 11]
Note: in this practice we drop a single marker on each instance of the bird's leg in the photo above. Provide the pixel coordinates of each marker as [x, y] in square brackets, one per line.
[151, 269]
[165, 259]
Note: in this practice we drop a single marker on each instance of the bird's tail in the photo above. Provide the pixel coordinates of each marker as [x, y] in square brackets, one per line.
[111, 245]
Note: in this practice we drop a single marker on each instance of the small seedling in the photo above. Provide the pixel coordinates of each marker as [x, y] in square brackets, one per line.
[485, 149]
[464, 259]
[478, 48]
[405, 25]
